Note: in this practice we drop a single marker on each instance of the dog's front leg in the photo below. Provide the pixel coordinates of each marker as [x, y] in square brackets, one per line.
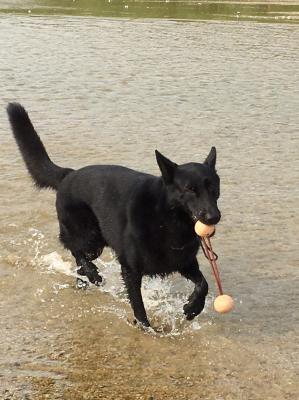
[132, 279]
[196, 300]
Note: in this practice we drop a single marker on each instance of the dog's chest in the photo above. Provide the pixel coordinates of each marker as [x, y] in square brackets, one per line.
[170, 248]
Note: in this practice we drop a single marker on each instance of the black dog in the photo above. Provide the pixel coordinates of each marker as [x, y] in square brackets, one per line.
[147, 220]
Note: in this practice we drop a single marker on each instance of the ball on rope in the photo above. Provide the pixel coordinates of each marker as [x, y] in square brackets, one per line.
[223, 304]
[204, 230]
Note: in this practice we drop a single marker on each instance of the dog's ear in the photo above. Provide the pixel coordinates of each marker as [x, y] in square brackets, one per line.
[211, 159]
[166, 166]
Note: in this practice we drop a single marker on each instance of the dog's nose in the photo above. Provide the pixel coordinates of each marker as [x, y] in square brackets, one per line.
[212, 218]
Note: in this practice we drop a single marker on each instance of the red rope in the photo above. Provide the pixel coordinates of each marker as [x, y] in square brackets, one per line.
[212, 257]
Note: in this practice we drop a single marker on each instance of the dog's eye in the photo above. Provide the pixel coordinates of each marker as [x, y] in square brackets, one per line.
[190, 189]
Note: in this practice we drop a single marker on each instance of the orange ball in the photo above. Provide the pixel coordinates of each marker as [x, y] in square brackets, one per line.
[223, 304]
[204, 230]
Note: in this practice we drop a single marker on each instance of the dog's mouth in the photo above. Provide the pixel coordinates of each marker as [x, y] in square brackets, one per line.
[195, 218]
[207, 219]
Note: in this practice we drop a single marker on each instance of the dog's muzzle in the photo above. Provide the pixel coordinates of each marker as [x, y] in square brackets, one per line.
[207, 218]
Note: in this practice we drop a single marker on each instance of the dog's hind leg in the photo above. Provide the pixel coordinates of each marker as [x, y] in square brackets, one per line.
[80, 233]
[88, 269]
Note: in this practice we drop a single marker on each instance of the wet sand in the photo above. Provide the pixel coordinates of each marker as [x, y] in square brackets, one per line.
[75, 352]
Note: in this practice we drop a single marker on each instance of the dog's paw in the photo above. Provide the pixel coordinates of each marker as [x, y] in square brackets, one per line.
[96, 279]
[192, 309]
[145, 327]
[81, 284]
[92, 274]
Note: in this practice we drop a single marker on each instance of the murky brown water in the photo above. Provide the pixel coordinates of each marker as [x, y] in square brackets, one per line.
[103, 90]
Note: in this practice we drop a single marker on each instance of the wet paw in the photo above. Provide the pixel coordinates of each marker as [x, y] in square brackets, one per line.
[192, 309]
[96, 279]
[145, 327]
[144, 324]
[91, 273]
[80, 284]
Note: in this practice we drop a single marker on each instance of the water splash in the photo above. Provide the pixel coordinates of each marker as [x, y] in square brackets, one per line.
[164, 298]
[37, 242]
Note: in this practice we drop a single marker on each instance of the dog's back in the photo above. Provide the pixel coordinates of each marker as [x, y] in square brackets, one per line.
[110, 192]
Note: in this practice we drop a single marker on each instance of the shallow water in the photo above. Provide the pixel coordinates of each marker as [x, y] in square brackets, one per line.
[103, 90]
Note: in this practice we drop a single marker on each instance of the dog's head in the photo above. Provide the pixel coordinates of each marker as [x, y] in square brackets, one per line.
[194, 187]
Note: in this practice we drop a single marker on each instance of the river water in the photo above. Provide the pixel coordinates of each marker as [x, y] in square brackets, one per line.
[110, 85]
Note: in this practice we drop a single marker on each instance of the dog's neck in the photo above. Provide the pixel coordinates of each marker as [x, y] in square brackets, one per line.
[171, 208]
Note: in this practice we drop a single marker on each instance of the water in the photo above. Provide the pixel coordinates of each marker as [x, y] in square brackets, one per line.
[112, 90]
[284, 11]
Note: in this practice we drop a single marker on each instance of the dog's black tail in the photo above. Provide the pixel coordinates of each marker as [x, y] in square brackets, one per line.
[43, 171]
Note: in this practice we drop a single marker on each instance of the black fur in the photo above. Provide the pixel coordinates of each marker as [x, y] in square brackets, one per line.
[147, 220]
[43, 171]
